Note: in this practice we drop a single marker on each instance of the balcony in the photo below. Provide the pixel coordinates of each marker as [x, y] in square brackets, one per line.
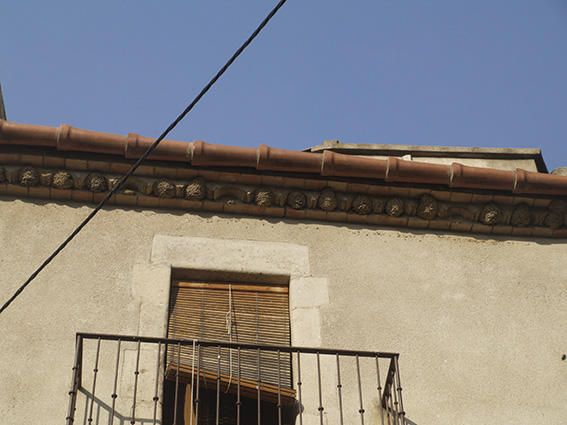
[120, 379]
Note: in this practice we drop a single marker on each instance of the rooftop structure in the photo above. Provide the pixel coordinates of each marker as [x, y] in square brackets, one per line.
[529, 159]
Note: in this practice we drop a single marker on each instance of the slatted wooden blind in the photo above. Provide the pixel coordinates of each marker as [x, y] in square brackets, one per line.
[259, 314]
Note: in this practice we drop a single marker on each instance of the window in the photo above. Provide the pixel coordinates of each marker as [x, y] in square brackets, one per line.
[231, 312]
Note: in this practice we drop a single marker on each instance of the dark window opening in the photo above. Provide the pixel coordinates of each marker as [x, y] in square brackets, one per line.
[227, 408]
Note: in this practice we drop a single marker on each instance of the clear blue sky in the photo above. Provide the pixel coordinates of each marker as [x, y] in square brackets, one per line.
[476, 73]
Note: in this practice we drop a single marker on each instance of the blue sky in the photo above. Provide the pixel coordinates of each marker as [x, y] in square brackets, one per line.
[469, 73]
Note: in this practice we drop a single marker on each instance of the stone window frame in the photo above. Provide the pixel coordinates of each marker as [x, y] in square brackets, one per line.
[214, 258]
[218, 258]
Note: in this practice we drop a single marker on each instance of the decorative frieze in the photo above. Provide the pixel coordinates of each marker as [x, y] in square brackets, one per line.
[521, 216]
[264, 198]
[428, 207]
[296, 200]
[164, 189]
[362, 205]
[395, 207]
[196, 190]
[327, 200]
[62, 180]
[95, 183]
[28, 176]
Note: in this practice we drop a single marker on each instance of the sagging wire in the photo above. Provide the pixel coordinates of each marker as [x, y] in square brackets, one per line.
[122, 181]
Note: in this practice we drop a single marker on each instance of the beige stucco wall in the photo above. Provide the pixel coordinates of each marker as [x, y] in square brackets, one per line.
[480, 323]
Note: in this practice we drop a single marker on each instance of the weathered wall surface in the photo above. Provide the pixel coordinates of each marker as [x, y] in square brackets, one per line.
[479, 322]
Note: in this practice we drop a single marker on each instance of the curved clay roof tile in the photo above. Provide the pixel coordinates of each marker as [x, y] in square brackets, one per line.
[265, 158]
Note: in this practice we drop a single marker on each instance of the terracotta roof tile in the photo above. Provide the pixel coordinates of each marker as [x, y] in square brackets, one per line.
[265, 158]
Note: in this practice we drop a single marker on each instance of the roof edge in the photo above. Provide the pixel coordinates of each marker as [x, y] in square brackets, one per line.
[264, 158]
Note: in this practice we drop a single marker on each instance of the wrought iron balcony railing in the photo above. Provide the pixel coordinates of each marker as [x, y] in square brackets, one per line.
[120, 379]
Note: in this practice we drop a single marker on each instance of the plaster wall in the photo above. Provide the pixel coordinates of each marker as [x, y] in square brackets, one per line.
[479, 322]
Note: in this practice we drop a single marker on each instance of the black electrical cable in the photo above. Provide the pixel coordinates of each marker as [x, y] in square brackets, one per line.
[146, 154]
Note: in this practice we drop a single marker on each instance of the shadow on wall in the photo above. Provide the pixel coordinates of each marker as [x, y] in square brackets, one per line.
[406, 232]
[101, 414]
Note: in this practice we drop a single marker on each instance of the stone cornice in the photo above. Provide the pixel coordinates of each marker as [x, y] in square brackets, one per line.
[189, 189]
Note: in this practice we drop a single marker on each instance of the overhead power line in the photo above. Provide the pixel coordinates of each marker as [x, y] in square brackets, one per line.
[2, 108]
[153, 146]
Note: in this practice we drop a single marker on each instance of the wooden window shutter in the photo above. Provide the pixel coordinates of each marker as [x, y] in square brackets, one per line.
[258, 314]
